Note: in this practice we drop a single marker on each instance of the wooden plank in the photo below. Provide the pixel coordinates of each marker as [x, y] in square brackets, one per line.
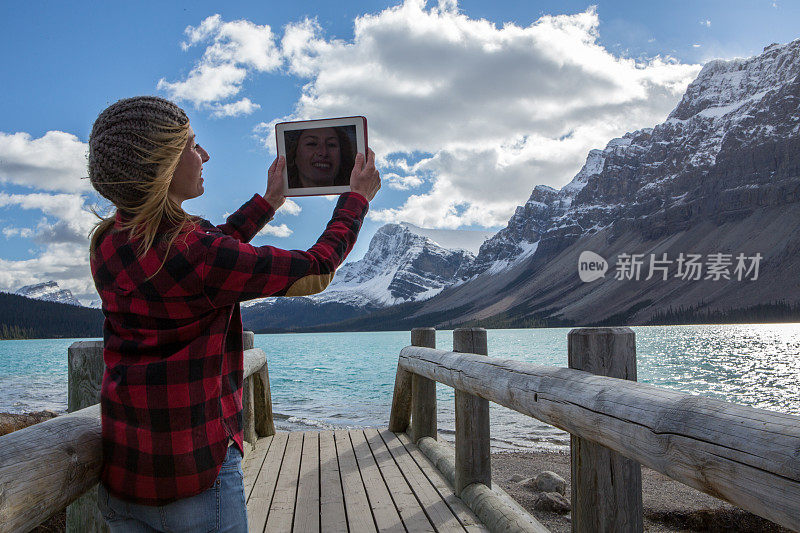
[264, 484]
[606, 486]
[359, 514]
[331, 498]
[411, 512]
[281, 510]
[251, 465]
[439, 481]
[383, 509]
[435, 507]
[306, 511]
[744, 455]
[473, 457]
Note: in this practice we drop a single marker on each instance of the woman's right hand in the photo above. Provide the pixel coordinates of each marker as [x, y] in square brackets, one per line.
[365, 178]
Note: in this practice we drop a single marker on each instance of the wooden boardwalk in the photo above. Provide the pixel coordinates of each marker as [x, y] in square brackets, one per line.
[349, 480]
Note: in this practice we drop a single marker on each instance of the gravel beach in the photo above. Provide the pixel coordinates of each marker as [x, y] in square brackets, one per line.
[669, 506]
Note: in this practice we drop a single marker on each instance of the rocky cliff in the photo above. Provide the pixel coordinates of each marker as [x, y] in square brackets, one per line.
[48, 291]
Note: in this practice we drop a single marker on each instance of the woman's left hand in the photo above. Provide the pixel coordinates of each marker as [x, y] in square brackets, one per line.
[274, 195]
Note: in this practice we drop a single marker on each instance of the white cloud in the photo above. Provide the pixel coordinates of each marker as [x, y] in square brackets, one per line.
[54, 162]
[706, 23]
[500, 109]
[275, 231]
[73, 222]
[235, 109]
[62, 236]
[290, 207]
[234, 49]
[401, 183]
[65, 263]
[11, 231]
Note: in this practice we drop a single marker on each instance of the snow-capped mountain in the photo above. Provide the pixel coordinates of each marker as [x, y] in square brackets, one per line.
[720, 175]
[48, 291]
[404, 263]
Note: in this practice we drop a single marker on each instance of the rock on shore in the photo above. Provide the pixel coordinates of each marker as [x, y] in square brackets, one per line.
[10, 422]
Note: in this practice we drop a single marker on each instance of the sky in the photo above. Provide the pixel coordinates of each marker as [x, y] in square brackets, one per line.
[469, 104]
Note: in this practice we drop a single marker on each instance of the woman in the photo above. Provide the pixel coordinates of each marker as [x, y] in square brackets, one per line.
[171, 283]
[319, 157]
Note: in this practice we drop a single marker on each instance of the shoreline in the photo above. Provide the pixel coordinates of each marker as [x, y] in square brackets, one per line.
[668, 506]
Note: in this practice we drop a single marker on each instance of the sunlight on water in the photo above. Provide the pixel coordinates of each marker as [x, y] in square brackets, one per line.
[340, 380]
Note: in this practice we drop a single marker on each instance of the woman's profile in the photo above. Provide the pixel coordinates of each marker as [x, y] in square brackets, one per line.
[170, 285]
[319, 157]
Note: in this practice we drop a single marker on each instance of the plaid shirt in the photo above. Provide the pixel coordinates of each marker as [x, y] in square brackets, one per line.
[172, 389]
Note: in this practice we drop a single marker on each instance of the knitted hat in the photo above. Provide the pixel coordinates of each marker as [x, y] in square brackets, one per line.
[116, 167]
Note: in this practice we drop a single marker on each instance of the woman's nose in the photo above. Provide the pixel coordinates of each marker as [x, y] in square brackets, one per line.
[204, 156]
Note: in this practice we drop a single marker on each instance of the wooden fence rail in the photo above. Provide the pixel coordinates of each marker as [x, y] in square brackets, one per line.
[749, 457]
[49, 465]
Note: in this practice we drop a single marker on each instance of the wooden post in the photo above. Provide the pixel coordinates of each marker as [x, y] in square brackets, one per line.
[423, 391]
[606, 486]
[248, 404]
[473, 453]
[400, 415]
[248, 337]
[85, 376]
[262, 399]
[248, 415]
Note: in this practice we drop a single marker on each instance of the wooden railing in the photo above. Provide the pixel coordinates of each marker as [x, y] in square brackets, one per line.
[47, 466]
[746, 456]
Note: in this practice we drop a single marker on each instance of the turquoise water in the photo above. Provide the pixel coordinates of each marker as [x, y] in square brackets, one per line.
[338, 380]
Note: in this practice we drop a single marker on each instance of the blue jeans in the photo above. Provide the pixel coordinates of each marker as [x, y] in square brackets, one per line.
[220, 508]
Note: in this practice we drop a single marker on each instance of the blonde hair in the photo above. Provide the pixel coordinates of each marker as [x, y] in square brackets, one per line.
[144, 218]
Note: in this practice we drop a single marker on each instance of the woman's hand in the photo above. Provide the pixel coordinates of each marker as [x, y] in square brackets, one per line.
[365, 178]
[274, 195]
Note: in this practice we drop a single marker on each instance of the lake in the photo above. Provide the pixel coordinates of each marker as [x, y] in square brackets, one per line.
[345, 380]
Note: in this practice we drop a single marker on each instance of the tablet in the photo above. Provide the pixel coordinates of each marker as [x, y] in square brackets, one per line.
[320, 154]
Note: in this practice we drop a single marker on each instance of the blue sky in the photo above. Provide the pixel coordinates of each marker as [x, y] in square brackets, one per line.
[470, 104]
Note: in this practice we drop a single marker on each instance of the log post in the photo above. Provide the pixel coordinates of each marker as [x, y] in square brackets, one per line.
[473, 454]
[606, 486]
[423, 391]
[248, 414]
[248, 338]
[262, 399]
[248, 403]
[400, 415]
[85, 377]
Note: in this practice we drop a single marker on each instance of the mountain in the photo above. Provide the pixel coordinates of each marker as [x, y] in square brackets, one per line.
[403, 263]
[719, 178]
[27, 318]
[48, 291]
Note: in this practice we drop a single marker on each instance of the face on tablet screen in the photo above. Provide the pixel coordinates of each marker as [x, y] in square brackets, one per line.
[320, 157]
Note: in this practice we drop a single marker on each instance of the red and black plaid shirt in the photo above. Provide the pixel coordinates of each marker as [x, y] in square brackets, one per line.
[172, 389]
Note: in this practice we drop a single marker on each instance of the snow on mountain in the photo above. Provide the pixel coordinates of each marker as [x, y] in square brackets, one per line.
[403, 263]
[469, 240]
[48, 291]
